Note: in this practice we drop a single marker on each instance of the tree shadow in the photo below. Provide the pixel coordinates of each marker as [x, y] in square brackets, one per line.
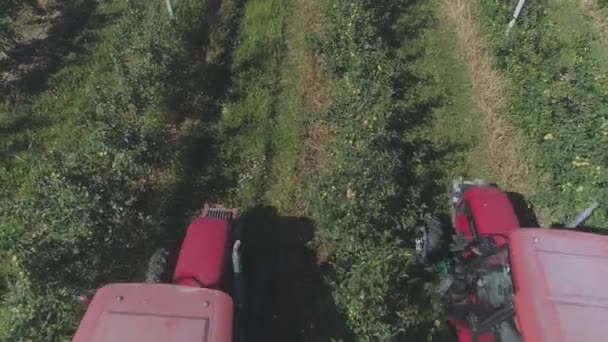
[408, 21]
[202, 87]
[15, 133]
[288, 299]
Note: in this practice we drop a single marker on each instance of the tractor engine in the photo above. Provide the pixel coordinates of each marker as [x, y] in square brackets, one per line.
[495, 287]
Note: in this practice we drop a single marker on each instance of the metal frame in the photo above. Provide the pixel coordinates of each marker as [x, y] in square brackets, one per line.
[218, 211]
[487, 325]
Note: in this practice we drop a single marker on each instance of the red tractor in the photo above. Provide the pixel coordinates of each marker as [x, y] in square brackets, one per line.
[511, 284]
[196, 305]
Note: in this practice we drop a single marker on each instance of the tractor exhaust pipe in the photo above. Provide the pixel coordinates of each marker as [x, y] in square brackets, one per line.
[583, 216]
[239, 279]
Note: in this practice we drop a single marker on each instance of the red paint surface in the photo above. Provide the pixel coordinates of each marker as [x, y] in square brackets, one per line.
[560, 280]
[157, 313]
[203, 253]
[494, 216]
[493, 213]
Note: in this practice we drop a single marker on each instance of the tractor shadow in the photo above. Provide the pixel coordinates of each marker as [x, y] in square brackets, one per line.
[287, 297]
[523, 210]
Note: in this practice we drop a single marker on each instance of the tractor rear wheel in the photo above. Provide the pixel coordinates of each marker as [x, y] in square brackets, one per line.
[158, 267]
[430, 240]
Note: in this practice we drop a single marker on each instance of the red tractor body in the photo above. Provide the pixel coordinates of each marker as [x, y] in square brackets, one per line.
[194, 307]
[204, 254]
[157, 312]
[560, 279]
[485, 211]
[481, 211]
[513, 284]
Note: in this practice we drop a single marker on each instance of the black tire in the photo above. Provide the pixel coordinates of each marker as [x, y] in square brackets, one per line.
[430, 241]
[157, 271]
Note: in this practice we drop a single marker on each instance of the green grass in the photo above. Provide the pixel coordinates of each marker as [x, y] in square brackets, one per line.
[249, 120]
[456, 124]
[267, 115]
[555, 67]
[292, 116]
[572, 22]
[6, 271]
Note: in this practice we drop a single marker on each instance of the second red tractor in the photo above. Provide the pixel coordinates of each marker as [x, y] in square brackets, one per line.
[505, 283]
[201, 302]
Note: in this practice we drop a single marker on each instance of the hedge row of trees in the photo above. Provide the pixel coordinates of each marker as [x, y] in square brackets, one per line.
[369, 197]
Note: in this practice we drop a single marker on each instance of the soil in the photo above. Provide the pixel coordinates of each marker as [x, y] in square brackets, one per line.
[42, 36]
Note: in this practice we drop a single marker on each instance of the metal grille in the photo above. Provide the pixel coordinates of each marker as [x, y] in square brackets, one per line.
[220, 212]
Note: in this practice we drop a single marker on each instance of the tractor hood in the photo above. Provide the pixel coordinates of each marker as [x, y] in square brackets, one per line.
[560, 279]
[157, 312]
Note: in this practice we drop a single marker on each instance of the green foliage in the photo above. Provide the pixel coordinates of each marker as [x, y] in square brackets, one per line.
[8, 8]
[248, 119]
[558, 96]
[368, 198]
[26, 306]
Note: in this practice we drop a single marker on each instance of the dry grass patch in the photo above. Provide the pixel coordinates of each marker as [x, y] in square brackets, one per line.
[316, 95]
[598, 18]
[314, 156]
[502, 140]
[316, 84]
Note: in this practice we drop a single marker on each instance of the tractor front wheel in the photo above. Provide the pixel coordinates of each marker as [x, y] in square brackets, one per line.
[157, 267]
[430, 241]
